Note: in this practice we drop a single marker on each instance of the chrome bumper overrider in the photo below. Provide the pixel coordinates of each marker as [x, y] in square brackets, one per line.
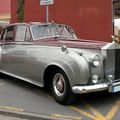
[111, 87]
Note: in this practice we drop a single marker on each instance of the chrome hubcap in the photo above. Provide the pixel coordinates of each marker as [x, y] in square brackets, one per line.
[59, 84]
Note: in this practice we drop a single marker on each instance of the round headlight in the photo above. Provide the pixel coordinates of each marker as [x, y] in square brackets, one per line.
[95, 79]
[96, 57]
[95, 60]
[96, 63]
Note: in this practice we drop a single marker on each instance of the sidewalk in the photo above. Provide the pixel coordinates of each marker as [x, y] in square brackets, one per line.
[14, 115]
[3, 117]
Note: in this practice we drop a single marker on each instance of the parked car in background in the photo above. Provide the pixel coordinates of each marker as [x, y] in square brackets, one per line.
[50, 54]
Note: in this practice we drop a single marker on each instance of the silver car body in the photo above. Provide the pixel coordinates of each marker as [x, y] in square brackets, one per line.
[89, 65]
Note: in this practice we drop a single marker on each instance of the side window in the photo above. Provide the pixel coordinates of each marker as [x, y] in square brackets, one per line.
[28, 35]
[22, 33]
[8, 34]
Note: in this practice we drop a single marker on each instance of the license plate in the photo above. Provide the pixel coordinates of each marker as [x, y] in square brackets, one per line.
[115, 89]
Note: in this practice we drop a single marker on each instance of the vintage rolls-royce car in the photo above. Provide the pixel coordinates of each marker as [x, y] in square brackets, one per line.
[50, 54]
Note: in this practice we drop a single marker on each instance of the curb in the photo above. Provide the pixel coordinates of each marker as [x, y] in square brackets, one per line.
[26, 115]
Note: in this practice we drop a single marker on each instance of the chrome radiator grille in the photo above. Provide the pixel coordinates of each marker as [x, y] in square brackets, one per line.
[110, 63]
[112, 60]
[117, 64]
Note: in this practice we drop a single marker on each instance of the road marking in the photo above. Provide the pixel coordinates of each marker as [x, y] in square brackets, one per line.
[118, 102]
[97, 115]
[11, 108]
[95, 112]
[66, 117]
[50, 97]
[2, 84]
[82, 112]
[113, 111]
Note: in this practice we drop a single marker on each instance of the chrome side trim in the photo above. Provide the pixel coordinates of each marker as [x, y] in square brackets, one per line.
[90, 88]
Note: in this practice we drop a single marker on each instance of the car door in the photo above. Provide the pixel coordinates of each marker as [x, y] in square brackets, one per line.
[6, 43]
[18, 51]
[21, 60]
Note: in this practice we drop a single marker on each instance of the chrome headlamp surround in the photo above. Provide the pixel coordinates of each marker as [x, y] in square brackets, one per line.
[96, 68]
[95, 79]
[95, 60]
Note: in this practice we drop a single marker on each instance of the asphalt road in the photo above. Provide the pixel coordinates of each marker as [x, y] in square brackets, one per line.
[19, 96]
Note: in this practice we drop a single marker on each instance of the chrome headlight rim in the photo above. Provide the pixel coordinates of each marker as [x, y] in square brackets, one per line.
[95, 79]
[95, 60]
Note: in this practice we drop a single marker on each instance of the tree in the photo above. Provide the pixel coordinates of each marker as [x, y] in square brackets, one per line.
[20, 11]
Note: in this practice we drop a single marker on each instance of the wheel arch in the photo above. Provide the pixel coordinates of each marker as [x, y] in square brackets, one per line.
[51, 68]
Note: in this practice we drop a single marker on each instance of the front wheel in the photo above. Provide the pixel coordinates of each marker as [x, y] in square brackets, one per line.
[61, 89]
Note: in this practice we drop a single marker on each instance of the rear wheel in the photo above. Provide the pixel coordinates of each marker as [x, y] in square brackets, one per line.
[61, 89]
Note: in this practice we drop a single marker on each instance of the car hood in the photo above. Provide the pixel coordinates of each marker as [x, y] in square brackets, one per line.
[79, 43]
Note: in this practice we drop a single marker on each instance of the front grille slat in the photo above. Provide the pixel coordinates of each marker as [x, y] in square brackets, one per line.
[117, 64]
[110, 63]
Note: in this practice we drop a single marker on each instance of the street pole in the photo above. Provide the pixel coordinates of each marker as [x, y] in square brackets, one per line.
[46, 3]
[47, 13]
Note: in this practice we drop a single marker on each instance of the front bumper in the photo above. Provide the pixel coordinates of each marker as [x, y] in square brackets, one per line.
[111, 87]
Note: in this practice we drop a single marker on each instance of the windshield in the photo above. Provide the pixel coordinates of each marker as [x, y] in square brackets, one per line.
[52, 30]
[116, 11]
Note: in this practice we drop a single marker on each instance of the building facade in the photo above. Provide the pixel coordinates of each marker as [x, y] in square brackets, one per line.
[91, 19]
[5, 10]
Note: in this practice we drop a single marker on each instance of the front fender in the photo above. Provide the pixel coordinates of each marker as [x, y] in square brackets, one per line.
[75, 66]
[66, 68]
[80, 68]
